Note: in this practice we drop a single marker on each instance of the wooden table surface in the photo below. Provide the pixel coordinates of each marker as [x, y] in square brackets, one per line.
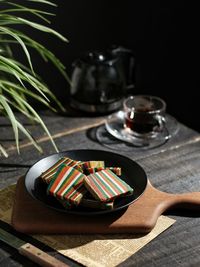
[173, 167]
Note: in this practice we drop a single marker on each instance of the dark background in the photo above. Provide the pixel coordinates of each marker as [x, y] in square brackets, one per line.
[164, 39]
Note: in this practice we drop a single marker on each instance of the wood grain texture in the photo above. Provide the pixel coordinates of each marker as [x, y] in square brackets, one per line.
[40, 257]
[31, 217]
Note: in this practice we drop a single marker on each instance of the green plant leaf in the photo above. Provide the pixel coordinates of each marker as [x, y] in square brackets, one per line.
[6, 85]
[37, 1]
[3, 151]
[18, 82]
[45, 53]
[36, 115]
[37, 26]
[20, 41]
[29, 136]
[21, 75]
[22, 8]
[12, 118]
[43, 28]
[43, 2]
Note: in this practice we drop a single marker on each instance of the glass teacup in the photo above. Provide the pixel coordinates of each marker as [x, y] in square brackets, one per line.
[144, 115]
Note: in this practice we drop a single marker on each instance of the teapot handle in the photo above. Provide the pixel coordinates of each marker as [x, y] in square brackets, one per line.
[128, 60]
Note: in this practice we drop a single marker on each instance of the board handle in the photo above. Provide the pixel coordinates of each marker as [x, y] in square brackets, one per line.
[184, 200]
[166, 201]
[40, 257]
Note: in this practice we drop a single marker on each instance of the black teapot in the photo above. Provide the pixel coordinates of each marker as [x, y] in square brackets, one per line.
[99, 82]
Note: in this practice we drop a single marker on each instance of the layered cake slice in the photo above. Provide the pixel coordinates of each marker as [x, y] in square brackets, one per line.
[106, 186]
[67, 185]
[89, 201]
[92, 164]
[116, 170]
[48, 174]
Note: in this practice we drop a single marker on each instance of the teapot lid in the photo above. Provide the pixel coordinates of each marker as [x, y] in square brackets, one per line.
[97, 57]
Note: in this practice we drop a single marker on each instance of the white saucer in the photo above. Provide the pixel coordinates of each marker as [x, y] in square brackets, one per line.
[115, 126]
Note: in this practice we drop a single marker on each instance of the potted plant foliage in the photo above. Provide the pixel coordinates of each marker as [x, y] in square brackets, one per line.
[18, 81]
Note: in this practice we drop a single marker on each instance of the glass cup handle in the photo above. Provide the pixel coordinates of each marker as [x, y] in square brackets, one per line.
[161, 121]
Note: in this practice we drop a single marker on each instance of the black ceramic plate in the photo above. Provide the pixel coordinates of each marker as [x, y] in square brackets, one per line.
[132, 174]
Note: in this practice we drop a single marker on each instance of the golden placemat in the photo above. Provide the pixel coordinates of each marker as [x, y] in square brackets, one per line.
[95, 250]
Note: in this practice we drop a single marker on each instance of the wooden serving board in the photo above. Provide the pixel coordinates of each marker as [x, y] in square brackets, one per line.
[32, 217]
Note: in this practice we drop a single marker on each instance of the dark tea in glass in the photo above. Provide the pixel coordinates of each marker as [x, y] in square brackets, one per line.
[141, 123]
[144, 114]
